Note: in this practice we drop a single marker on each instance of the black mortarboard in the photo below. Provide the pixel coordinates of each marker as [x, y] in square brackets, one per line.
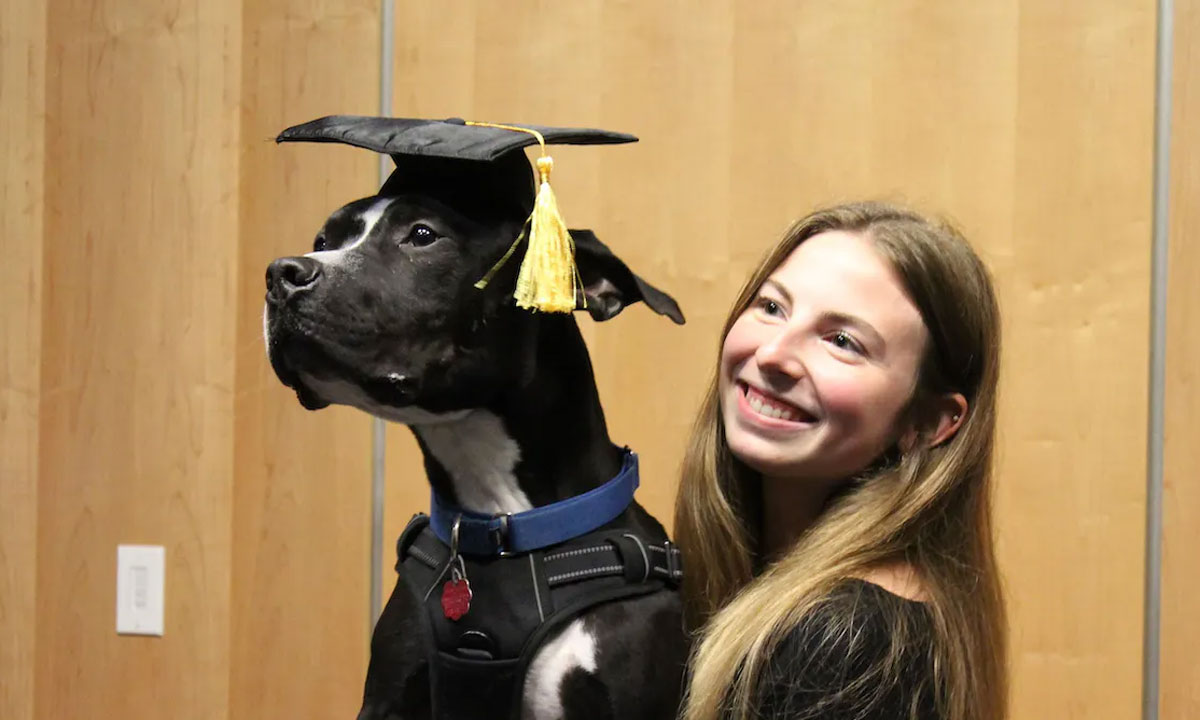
[479, 169]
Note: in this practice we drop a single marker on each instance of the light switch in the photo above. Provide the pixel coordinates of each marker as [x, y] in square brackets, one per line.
[140, 589]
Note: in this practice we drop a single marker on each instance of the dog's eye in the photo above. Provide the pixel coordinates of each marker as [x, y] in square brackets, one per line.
[319, 244]
[421, 235]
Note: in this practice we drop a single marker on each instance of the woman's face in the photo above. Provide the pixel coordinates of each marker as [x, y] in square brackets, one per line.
[816, 372]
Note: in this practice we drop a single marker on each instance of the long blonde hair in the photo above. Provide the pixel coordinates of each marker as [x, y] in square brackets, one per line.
[929, 507]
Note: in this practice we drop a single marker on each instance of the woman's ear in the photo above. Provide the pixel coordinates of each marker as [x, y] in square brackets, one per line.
[950, 413]
[943, 418]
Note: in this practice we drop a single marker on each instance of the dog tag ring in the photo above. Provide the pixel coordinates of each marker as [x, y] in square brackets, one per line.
[456, 593]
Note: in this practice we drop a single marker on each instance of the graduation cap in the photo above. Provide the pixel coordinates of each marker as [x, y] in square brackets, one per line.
[479, 169]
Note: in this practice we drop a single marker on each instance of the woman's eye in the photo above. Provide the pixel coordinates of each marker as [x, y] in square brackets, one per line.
[769, 307]
[421, 235]
[843, 340]
[319, 244]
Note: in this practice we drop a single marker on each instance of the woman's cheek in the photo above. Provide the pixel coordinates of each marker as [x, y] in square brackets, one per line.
[842, 395]
[735, 349]
[743, 339]
[862, 409]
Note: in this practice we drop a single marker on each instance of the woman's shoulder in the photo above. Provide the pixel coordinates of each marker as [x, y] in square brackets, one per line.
[861, 652]
[855, 624]
[868, 599]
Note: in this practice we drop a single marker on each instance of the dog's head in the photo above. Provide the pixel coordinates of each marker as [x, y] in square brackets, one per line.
[384, 314]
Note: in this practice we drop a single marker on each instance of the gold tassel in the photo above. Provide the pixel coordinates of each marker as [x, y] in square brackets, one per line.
[547, 280]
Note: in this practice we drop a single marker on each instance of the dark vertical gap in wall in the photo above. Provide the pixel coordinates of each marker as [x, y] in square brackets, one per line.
[1152, 629]
[378, 428]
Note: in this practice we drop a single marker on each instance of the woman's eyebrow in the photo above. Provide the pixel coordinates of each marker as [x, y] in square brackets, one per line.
[787, 296]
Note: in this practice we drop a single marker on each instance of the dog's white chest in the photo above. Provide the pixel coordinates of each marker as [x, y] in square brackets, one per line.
[573, 648]
[481, 459]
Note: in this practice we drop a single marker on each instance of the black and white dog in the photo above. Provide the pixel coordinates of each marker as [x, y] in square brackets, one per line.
[383, 316]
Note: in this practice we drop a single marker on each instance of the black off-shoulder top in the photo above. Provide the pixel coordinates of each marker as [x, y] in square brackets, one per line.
[832, 671]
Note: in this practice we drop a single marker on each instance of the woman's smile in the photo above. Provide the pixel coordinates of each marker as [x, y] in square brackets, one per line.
[770, 411]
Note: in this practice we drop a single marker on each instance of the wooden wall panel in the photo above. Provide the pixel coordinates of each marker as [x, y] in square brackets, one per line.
[137, 350]
[1180, 664]
[1072, 482]
[301, 515]
[1030, 124]
[22, 110]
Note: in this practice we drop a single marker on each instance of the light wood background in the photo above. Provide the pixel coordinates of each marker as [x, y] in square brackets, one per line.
[136, 374]
[143, 198]
[22, 129]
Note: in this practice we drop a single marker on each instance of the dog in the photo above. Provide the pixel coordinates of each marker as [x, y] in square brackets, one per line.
[383, 315]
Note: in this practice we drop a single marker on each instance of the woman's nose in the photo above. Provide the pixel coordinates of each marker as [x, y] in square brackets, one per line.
[781, 354]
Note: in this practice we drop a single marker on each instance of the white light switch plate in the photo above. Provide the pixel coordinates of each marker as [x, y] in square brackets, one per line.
[140, 589]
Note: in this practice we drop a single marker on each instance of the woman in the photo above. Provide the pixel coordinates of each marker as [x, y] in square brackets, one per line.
[834, 508]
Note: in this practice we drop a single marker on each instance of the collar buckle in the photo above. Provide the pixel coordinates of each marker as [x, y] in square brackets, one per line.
[500, 536]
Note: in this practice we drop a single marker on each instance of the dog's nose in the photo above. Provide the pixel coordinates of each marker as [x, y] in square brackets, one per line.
[288, 275]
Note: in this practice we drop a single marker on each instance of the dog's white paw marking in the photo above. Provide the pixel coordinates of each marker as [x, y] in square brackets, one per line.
[369, 218]
[481, 459]
[574, 647]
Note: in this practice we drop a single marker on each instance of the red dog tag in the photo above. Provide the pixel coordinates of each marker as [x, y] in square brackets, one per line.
[456, 598]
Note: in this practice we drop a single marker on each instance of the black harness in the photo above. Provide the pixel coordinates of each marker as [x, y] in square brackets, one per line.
[517, 600]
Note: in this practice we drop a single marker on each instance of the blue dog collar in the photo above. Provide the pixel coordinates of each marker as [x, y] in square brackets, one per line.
[480, 534]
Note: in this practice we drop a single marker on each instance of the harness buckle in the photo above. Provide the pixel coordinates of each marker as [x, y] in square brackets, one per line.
[646, 565]
[674, 571]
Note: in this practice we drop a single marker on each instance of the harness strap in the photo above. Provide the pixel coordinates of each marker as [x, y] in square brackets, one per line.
[624, 554]
[614, 554]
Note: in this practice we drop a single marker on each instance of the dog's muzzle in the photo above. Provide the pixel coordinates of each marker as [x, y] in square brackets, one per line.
[306, 342]
[291, 275]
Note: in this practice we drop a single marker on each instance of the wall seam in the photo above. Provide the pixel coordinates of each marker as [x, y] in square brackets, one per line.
[1152, 611]
[378, 427]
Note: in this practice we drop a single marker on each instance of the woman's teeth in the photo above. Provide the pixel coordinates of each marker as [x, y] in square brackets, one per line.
[762, 406]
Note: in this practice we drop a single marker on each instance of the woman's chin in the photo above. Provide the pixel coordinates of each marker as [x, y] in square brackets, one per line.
[762, 458]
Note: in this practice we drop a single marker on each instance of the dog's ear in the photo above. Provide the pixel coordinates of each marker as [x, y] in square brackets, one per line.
[609, 285]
